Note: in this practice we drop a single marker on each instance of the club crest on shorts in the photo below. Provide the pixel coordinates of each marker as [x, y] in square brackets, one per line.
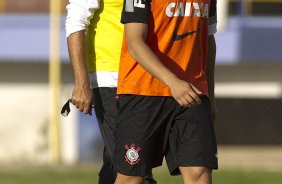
[132, 155]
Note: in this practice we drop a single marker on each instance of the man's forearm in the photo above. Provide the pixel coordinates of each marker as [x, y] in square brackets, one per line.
[76, 48]
[140, 51]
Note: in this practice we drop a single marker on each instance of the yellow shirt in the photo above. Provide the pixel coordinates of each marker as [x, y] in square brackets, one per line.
[104, 37]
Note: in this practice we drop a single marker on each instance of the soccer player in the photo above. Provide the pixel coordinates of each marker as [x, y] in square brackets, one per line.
[94, 44]
[165, 86]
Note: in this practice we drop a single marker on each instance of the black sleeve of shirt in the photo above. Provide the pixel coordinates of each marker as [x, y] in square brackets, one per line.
[213, 13]
[213, 8]
[136, 11]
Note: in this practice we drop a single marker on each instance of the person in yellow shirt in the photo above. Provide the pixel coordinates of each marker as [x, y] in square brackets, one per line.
[94, 36]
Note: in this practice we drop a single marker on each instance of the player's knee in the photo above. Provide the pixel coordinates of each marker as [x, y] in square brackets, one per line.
[199, 172]
[122, 179]
[196, 173]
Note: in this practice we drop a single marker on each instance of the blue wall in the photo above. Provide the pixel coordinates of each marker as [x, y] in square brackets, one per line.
[26, 38]
[245, 39]
[250, 40]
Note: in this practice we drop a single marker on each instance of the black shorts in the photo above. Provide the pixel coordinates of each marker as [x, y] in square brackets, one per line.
[149, 128]
[106, 112]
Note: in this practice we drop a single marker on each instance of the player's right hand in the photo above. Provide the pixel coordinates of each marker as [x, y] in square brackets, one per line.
[82, 98]
[185, 93]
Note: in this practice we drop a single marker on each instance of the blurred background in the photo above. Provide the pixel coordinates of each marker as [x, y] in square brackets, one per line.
[36, 79]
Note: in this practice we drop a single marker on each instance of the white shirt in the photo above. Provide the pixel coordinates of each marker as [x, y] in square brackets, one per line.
[79, 14]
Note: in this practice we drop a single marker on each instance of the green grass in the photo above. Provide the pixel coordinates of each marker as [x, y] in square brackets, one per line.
[250, 177]
[75, 175]
[229, 177]
[88, 175]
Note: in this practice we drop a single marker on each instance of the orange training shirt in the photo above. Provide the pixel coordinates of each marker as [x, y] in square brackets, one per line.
[177, 34]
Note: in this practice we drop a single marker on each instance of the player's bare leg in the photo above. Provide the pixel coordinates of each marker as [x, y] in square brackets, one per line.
[123, 179]
[196, 175]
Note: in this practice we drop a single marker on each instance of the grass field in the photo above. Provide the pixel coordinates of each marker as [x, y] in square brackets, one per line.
[88, 175]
